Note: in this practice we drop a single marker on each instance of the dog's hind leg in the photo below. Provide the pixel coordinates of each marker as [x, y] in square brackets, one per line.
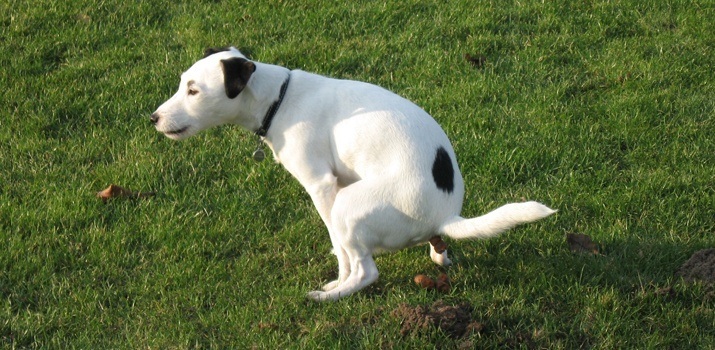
[343, 266]
[438, 251]
[440, 259]
[363, 272]
[357, 267]
[357, 213]
[322, 189]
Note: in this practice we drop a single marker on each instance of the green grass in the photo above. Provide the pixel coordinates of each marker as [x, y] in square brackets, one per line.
[601, 109]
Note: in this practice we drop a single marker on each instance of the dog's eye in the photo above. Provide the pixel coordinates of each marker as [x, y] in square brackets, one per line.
[193, 92]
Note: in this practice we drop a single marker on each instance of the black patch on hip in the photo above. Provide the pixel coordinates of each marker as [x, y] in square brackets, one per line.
[442, 171]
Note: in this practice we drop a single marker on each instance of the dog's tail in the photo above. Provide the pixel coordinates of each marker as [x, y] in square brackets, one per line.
[494, 222]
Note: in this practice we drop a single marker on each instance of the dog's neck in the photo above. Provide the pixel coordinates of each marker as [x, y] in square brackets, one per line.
[273, 109]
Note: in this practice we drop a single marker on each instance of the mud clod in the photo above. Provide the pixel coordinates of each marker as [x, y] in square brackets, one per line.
[455, 321]
[700, 267]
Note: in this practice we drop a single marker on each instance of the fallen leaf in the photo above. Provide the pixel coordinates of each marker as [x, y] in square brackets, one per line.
[114, 191]
[580, 243]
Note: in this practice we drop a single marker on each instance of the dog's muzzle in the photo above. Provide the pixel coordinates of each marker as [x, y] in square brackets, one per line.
[154, 118]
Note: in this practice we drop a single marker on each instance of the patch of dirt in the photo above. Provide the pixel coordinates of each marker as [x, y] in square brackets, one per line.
[580, 243]
[700, 266]
[455, 321]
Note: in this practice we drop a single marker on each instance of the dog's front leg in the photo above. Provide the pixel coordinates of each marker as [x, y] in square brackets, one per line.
[323, 192]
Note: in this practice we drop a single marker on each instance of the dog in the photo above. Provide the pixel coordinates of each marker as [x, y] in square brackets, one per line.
[380, 170]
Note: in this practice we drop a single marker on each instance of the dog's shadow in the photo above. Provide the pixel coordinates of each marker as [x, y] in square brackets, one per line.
[629, 266]
[624, 265]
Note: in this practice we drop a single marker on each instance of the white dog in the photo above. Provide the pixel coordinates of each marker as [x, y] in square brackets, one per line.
[381, 172]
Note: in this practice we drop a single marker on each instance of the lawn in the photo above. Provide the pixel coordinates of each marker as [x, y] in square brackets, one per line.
[601, 109]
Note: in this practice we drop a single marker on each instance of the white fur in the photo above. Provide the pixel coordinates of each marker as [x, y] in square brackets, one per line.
[364, 154]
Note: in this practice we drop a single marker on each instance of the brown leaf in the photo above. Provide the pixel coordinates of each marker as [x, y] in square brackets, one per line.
[114, 191]
[580, 243]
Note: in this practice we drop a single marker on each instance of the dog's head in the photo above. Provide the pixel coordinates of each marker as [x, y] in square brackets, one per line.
[207, 94]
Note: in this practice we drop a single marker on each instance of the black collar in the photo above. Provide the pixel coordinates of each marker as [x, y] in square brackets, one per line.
[273, 109]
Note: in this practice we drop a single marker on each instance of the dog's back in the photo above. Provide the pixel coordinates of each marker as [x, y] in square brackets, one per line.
[375, 134]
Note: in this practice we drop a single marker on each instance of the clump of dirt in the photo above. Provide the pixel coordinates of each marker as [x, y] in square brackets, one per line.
[700, 266]
[580, 243]
[455, 321]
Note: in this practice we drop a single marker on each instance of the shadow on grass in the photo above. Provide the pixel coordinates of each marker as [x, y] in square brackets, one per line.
[540, 295]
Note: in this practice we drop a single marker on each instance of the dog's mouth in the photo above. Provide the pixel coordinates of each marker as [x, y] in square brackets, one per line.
[176, 132]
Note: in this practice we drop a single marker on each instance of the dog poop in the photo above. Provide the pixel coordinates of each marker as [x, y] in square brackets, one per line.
[425, 281]
[442, 283]
[114, 191]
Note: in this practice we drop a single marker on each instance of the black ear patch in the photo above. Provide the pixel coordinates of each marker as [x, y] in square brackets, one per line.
[236, 72]
[212, 50]
[442, 171]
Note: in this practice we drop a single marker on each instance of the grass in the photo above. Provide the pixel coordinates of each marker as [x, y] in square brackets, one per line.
[602, 109]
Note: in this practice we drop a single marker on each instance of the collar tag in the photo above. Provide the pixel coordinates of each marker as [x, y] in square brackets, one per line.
[258, 155]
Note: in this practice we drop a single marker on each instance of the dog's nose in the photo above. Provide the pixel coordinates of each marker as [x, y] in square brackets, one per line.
[154, 118]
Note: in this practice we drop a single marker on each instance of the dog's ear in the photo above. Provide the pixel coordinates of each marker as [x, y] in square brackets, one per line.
[212, 50]
[236, 72]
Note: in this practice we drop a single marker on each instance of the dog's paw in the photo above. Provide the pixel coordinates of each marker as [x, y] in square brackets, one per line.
[443, 261]
[318, 295]
[440, 259]
[331, 285]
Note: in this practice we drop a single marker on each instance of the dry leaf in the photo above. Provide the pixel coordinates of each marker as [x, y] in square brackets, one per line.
[580, 243]
[114, 191]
